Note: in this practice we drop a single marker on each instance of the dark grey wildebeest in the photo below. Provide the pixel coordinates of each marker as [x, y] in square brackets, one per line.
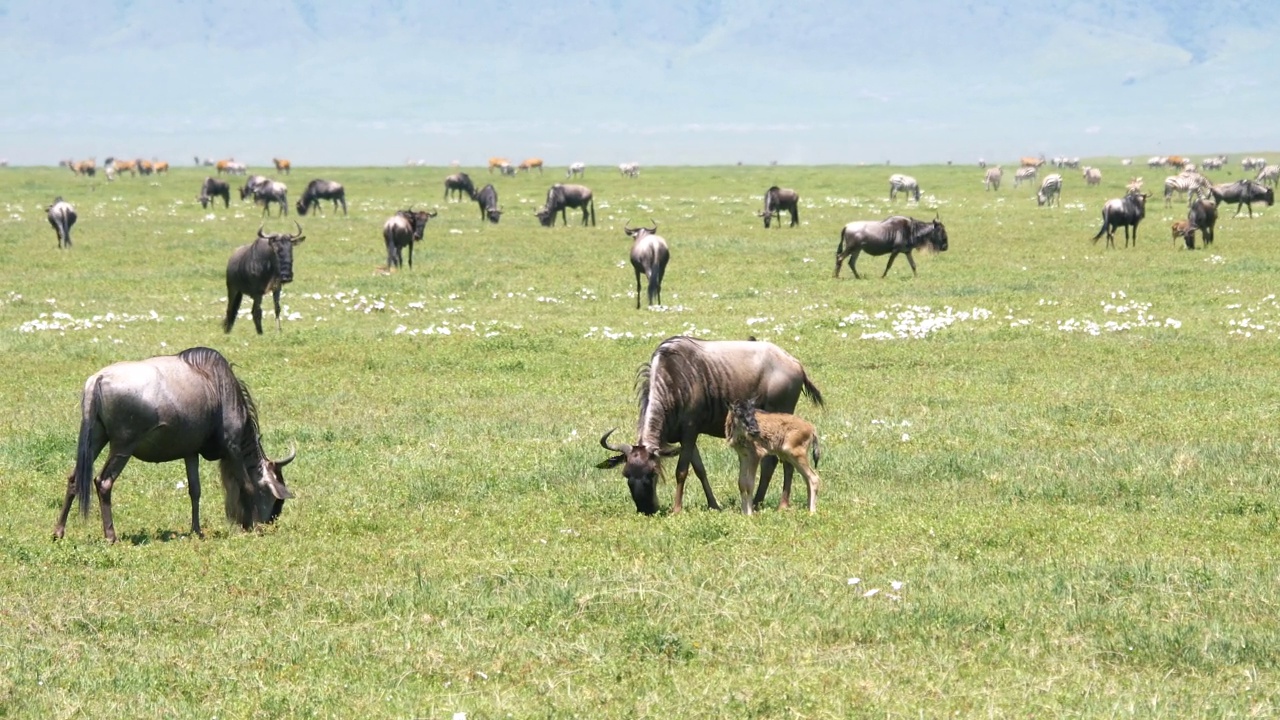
[1243, 193]
[1203, 216]
[251, 184]
[685, 391]
[778, 199]
[212, 188]
[318, 190]
[487, 199]
[62, 216]
[1123, 212]
[175, 407]
[649, 257]
[904, 184]
[560, 198]
[263, 266]
[269, 192]
[403, 229]
[895, 235]
[457, 184]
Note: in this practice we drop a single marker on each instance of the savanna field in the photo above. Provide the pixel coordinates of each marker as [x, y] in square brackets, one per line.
[1049, 468]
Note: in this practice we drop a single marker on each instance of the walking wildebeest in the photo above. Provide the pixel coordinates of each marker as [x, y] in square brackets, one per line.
[175, 407]
[272, 192]
[62, 216]
[991, 180]
[404, 228]
[1050, 190]
[262, 266]
[1123, 212]
[576, 170]
[895, 235]
[318, 190]
[776, 200]
[487, 199]
[1203, 216]
[685, 391]
[1243, 192]
[459, 183]
[211, 188]
[903, 183]
[561, 197]
[649, 257]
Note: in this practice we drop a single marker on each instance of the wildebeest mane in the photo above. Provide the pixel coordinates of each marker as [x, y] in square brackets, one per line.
[679, 371]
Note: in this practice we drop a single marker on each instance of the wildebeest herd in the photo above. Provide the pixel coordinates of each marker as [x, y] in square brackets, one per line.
[191, 405]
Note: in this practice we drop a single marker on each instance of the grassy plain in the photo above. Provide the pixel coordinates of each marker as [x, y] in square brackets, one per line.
[1055, 463]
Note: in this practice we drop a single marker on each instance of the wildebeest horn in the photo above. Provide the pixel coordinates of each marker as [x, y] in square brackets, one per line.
[655, 225]
[626, 228]
[604, 443]
[260, 230]
[293, 453]
[295, 222]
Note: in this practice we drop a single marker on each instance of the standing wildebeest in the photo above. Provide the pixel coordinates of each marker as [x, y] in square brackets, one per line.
[992, 178]
[649, 256]
[1243, 192]
[318, 190]
[561, 197]
[404, 228]
[1203, 216]
[487, 199]
[272, 192]
[903, 183]
[459, 183]
[282, 165]
[1092, 176]
[62, 216]
[776, 200]
[685, 391]
[213, 187]
[262, 266]
[576, 170]
[895, 235]
[175, 407]
[251, 184]
[1050, 190]
[1123, 212]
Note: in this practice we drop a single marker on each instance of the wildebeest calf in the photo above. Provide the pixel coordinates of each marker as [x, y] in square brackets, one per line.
[755, 434]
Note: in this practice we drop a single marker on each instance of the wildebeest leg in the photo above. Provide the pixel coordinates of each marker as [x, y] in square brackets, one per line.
[193, 490]
[97, 441]
[892, 256]
[811, 479]
[116, 461]
[853, 262]
[795, 216]
[689, 456]
[767, 466]
[411, 244]
[638, 290]
[275, 300]
[748, 461]
[233, 309]
[257, 313]
[912, 263]
[344, 207]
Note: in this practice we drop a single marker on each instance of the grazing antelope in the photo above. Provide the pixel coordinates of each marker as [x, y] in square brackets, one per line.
[282, 165]
[530, 164]
[498, 163]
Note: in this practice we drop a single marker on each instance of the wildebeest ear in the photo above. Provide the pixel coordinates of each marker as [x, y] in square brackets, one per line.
[278, 489]
[614, 461]
[296, 240]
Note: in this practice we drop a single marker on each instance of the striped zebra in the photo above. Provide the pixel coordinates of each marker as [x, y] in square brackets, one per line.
[1187, 183]
[1026, 174]
[905, 184]
[993, 177]
[1253, 163]
[1050, 190]
[1268, 175]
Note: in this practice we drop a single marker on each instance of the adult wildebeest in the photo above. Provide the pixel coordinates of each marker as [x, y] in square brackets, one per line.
[251, 184]
[903, 183]
[487, 199]
[649, 256]
[991, 180]
[1024, 175]
[62, 216]
[1092, 176]
[404, 229]
[562, 197]
[175, 407]
[685, 391]
[1050, 190]
[895, 235]
[318, 190]
[213, 187]
[778, 199]
[1243, 192]
[576, 170]
[1123, 212]
[458, 183]
[1203, 216]
[269, 192]
[282, 165]
[262, 266]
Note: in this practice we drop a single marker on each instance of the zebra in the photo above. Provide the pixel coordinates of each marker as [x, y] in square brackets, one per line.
[1092, 175]
[992, 179]
[1050, 190]
[1253, 163]
[1269, 175]
[1024, 175]
[905, 184]
[1188, 184]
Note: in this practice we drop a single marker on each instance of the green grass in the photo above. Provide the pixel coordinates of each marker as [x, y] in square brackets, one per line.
[1084, 524]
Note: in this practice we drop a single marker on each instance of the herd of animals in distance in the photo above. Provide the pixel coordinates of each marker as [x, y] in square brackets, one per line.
[191, 405]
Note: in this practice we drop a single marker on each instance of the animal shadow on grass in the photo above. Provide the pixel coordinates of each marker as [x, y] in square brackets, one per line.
[146, 537]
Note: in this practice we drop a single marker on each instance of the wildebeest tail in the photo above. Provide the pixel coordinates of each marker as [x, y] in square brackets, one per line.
[812, 392]
[815, 452]
[89, 406]
[1102, 229]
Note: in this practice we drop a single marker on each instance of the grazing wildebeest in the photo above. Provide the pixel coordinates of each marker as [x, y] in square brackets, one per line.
[1123, 212]
[251, 184]
[272, 192]
[487, 199]
[1203, 216]
[175, 407]
[282, 165]
[1050, 191]
[1243, 192]
[213, 187]
[404, 229]
[755, 434]
[903, 183]
[62, 216]
[685, 391]
[458, 183]
[991, 180]
[1024, 175]
[318, 190]
[895, 235]
[561, 197]
[776, 200]
[1092, 176]
[576, 170]
[649, 257]
[264, 265]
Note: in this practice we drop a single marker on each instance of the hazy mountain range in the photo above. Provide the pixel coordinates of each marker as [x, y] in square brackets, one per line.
[659, 82]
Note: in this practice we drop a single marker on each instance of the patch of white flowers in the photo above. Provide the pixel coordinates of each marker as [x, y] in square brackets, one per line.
[910, 322]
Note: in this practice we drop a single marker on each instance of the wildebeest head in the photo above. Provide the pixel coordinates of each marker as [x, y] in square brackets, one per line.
[938, 239]
[546, 216]
[495, 214]
[271, 492]
[282, 245]
[641, 468]
[418, 220]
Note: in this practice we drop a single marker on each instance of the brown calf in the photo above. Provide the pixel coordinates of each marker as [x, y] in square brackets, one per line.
[754, 434]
